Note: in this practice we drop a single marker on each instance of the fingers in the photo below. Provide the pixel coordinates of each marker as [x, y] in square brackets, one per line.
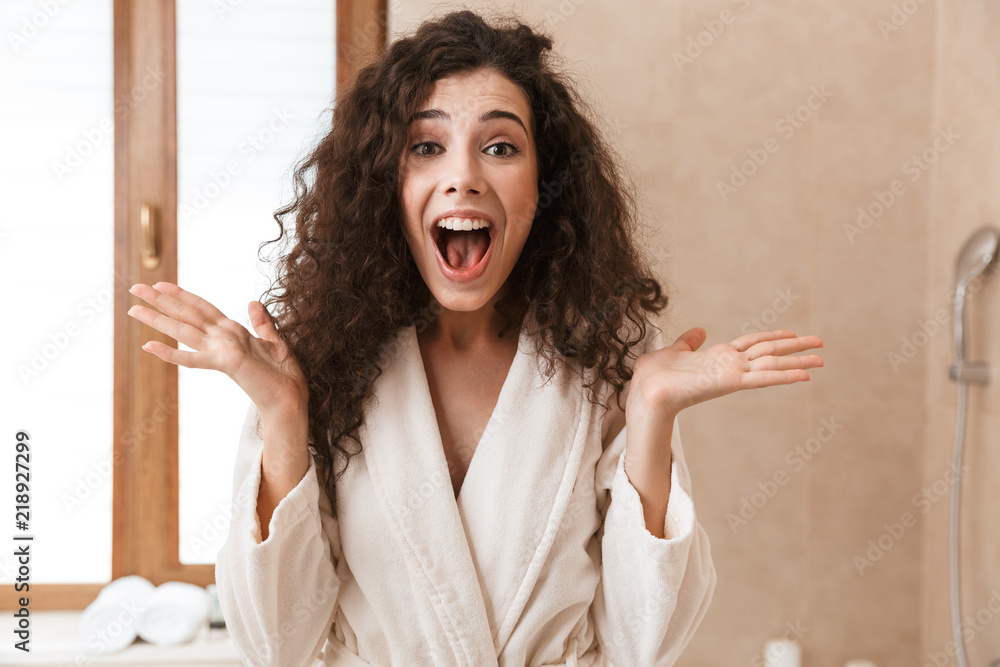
[173, 304]
[771, 363]
[743, 343]
[172, 355]
[782, 346]
[207, 310]
[184, 333]
[691, 339]
[263, 323]
[769, 366]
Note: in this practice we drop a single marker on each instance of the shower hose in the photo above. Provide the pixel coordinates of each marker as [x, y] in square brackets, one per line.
[956, 492]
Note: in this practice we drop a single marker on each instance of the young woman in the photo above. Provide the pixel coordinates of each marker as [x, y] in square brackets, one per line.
[462, 445]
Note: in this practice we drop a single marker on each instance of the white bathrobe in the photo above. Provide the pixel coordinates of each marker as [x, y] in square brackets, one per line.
[544, 558]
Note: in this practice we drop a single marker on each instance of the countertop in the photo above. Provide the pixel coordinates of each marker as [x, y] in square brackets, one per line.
[56, 640]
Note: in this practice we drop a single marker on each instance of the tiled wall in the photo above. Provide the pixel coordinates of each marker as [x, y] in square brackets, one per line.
[834, 99]
[967, 183]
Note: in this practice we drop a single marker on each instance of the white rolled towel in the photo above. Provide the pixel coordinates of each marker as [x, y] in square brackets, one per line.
[109, 623]
[174, 613]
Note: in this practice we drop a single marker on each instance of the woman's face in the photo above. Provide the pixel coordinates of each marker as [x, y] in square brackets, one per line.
[470, 156]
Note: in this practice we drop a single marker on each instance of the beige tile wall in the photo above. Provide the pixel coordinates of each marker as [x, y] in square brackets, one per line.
[784, 250]
[967, 180]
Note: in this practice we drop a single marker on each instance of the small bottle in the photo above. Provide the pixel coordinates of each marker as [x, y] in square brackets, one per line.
[782, 653]
[215, 619]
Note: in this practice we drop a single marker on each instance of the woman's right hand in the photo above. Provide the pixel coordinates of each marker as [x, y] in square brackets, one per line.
[263, 365]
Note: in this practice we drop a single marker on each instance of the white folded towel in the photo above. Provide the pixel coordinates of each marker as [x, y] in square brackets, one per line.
[109, 623]
[173, 613]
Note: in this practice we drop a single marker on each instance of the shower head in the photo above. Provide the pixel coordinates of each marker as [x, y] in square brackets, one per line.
[978, 255]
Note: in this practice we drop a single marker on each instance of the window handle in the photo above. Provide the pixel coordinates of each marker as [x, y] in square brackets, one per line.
[147, 224]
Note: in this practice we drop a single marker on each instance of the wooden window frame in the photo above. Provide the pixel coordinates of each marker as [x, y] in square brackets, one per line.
[145, 514]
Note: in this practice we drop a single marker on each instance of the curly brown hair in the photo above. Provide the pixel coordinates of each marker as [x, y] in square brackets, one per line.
[348, 282]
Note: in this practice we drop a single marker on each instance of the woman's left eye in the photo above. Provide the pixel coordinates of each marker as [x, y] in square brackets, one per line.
[511, 148]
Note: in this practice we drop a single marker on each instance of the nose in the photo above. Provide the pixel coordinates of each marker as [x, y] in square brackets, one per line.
[463, 173]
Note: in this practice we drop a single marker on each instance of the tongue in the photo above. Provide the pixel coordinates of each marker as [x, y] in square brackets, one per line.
[466, 249]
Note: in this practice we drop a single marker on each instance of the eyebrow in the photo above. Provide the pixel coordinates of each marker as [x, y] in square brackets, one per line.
[485, 116]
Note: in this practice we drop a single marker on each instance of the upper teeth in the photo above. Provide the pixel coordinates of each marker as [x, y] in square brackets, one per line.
[463, 224]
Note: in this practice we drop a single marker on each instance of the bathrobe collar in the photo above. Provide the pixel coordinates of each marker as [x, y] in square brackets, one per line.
[477, 559]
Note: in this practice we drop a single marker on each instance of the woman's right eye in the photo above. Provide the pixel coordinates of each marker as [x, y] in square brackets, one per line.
[418, 150]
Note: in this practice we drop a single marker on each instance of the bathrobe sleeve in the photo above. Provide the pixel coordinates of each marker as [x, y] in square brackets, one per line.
[278, 595]
[654, 591]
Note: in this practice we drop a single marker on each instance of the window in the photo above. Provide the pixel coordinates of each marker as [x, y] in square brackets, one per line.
[252, 88]
[121, 93]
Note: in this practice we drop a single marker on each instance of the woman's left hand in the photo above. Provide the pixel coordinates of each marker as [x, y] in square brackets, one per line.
[678, 376]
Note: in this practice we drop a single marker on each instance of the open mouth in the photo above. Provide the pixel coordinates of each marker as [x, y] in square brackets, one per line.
[463, 253]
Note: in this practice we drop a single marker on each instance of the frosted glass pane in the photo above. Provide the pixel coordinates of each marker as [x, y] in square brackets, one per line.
[254, 89]
[57, 265]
